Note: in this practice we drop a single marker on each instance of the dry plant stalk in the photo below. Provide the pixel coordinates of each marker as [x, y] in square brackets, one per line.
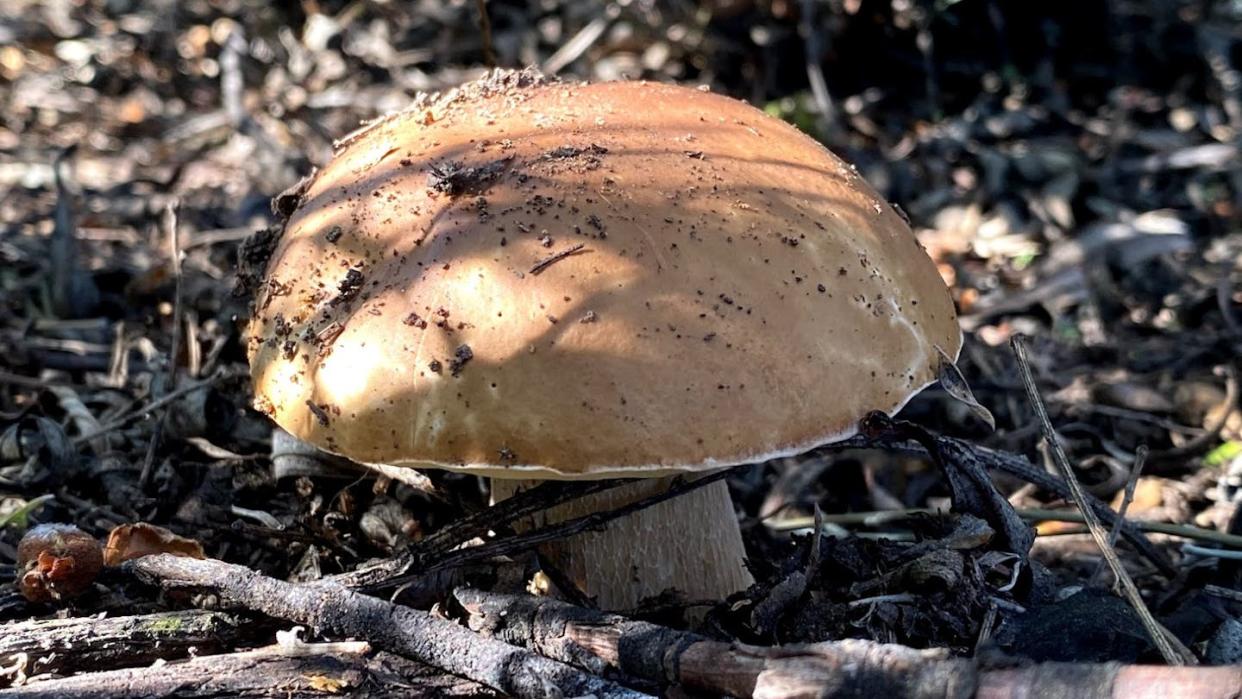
[1165, 642]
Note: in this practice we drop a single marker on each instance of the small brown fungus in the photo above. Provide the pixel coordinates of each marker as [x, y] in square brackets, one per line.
[56, 562]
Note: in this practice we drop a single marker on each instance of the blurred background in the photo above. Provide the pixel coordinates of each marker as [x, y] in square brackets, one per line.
[1072, 167]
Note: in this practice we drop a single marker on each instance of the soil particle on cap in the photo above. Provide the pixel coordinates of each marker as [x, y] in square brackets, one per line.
[264, 405]
[321, 415]
[575, 151]
[415, 320]
[435, 366]
[453, 178]
[589, 317]
[334, 234]
[443, 322]
[324, 338]
[349, 287]
[588, 156]
[461, 356]
[480, 205]
[500, 82]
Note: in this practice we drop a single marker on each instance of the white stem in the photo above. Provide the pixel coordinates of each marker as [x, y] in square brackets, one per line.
[690, 543]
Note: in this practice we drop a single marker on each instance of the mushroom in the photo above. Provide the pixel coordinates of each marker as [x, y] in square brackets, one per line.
[57, 562]
[530, 279]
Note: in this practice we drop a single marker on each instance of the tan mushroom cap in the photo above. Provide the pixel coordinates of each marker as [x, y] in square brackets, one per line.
[551, 280]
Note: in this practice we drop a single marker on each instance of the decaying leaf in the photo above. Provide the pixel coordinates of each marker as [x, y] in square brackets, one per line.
[954, 384]
[129, 541]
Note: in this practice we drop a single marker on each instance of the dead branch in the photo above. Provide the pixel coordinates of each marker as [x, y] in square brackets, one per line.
[408, 632]
[309, 670]
[84, 644]
[605, 643]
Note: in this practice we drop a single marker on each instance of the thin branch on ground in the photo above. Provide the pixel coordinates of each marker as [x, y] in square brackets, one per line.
[418, 635]
[877, 518]
[1163, 640]
[147, 409]
[608, 643]
[1127, 497]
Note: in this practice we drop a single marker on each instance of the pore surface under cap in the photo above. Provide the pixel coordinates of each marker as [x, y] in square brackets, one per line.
[565, 280]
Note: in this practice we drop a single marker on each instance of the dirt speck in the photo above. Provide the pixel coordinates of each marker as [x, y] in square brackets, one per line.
[461, 356]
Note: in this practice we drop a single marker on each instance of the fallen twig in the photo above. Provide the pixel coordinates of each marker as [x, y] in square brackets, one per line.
[471, 526]
[84, 644]
[309, 670]
[148, 408]
[1031, 514]
[1163, 640]
[408, 632]
[557, 257]
[605, 643]
[1136, 469]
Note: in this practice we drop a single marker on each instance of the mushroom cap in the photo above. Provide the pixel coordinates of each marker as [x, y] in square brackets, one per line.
[536, 279]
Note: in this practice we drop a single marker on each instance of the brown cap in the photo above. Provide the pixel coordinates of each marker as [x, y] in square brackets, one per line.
[551, 280]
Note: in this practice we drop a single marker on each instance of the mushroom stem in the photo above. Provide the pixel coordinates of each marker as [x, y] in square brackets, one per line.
[691, 544]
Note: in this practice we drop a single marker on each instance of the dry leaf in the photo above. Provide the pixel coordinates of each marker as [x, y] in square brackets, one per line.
[321, 683]
[955, 385]
[129, 541]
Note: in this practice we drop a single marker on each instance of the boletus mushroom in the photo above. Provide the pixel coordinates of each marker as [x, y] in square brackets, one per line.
[531, 279]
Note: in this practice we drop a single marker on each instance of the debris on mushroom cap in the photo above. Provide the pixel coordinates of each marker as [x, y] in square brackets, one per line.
[749, 294]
